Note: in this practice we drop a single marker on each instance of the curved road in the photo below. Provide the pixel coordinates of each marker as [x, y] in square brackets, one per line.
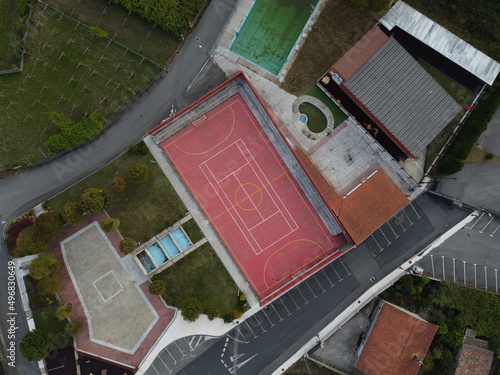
[21, 193]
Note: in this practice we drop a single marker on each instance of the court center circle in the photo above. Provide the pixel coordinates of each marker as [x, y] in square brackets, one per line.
[246, 195]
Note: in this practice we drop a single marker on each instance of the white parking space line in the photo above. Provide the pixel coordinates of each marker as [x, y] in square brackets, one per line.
[381, 248]
[302, 295]
[323, 289]
[475, 275]
[411, 222]
[348, 272]
[491, 235]
[276, 311]
[475, 222]
[293, 299]
[485, 278]
[305, 282]
[454, 278]
[383, 234]
[465, 278]
[330, 281]
[170, 354]
[442, 261]
[164, 364]
[264, 311]
[389, 224]
[250, 328]
[415, 210]
[482, 230]
[432, 262]
[289, 313]
[496, 281]
[257, 320]
[340, 279]
[183, 354]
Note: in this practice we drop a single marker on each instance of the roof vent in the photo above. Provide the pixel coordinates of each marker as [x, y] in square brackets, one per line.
[418, 360]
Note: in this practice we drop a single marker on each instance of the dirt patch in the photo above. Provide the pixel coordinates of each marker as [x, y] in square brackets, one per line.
[337, 29]
[480, 156]
[308, 367]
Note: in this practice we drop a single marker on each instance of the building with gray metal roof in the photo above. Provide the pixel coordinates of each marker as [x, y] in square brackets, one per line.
[443, 41]
[408, 103]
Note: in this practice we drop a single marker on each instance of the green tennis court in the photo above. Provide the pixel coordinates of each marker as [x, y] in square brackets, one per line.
[270, 31]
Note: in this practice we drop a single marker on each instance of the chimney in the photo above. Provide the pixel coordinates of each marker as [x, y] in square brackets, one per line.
[418, 360]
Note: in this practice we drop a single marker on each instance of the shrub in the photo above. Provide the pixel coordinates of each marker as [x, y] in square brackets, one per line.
[242, 298]
[139, 173]
[36, 345]
[489, 156]
[93, 200]
[43, 266]
[139, 149]
[72, 134]
[127, 245]
[191, 309]
[213, 313]
[371, 5]
[48, 225]
[49, 285]
[73, 328]
[30, 242]
[14, 231]
[228, 318]
[237, 314]
[64, 312]
[157, 287]
[118, 184]
[109, 224]
[97, 32]
[72, 213]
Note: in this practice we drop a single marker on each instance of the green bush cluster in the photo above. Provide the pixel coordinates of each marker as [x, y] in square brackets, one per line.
[35, 239]
[118, 183]
[72, 134]
[73, 328]
[174, 16]
[191, 309]
[474, 126]
[43, 265]
[127, 245]
[157, 287]
[139, 173]
[64, 312]
[109, 224]
[213, 314]
[72, 213]
[36, 345]
[93, 200]
[139, 149]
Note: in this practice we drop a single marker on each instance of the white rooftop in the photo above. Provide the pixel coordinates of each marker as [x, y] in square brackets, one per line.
[443, 41]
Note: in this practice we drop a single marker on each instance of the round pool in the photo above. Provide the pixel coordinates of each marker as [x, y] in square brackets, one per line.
[315, 118]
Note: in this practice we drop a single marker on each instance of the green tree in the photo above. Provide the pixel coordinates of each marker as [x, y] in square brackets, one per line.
[191, 309]
[49, 285]
[157, 287]
[73, 328]
[72, 213]
[64, 312]
[97, 32]
[118, 184]
[93, 200]
[43, 265]
[48, 225]
[213, 313]
[109, 224]
[139, 149]
[36, 345]
[139, 173]
[127, 245]
[30, 241]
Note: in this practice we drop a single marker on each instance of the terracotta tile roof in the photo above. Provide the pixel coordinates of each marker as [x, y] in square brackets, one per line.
[474, 361]
[360, 53]
[363, 210]
[369, 206]
[396, 337]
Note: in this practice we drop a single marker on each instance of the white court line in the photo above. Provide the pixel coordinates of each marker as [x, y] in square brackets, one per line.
[268, 183]
[250, 198]
[482, 230]
[262, 222]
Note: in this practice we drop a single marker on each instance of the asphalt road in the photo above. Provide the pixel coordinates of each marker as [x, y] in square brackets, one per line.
[21, 193]
[264, 341]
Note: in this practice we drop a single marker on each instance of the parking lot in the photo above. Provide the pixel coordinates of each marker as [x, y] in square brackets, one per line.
[471, 257]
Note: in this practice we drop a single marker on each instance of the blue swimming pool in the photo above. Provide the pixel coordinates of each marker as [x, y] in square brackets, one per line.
[169, 246]
[146, 261]
[157, 254]
[181, 239]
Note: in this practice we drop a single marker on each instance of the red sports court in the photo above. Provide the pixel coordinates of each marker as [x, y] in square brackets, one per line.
[250, 197]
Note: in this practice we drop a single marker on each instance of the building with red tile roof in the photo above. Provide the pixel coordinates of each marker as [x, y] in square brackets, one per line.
[475, 357]
[396, 342]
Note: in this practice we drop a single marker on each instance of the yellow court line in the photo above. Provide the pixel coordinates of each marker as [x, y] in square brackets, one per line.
[258, 191]
[248, 196]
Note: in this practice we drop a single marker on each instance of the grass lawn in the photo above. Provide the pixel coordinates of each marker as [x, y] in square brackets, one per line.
[66, 71]
[144, 210]
[201, 275]
[337, 29]
[128, 29]
[438, 142]
[316, 120]
[337, 113]
[193, 231]
[462, 95]
[311, 368]
[7, 16]
[480, 156]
